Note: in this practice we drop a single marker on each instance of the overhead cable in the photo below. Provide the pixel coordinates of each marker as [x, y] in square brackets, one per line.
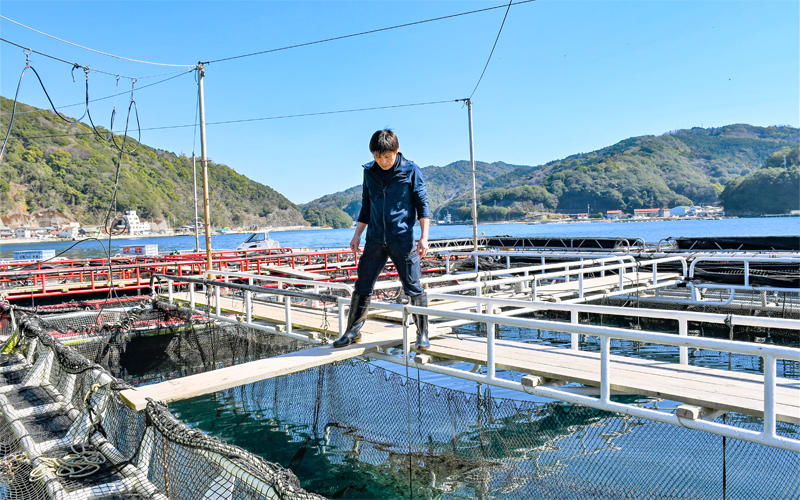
[367, 32]
[273, 117]
[108, 96]
[93, 50]
[76, 65]
[493, 47]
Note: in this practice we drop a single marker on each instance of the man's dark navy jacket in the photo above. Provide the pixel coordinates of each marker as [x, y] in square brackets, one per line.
[391, 204]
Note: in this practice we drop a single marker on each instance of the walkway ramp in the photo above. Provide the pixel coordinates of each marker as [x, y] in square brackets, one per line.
[376, 335]
[706, 387]
[254, 371]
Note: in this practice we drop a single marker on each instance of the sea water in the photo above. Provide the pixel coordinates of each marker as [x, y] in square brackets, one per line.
[649, 231]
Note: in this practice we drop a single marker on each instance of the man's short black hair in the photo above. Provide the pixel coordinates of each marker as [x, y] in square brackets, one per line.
[383, 141]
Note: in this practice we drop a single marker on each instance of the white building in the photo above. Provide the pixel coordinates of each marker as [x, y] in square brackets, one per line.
[23, 232]
[135, 226]
[69, 232]
[614, 214]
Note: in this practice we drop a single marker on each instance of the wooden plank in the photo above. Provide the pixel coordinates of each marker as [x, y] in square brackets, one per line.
[294, 272]
[634, 367]
[597, 284]
[707, 387]
[247, 373]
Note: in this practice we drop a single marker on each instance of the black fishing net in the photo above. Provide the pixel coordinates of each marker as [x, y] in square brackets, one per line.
[66, 433]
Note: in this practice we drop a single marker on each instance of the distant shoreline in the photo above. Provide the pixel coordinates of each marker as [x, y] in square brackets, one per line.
[104, 237]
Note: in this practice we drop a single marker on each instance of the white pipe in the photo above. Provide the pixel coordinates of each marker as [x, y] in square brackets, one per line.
[779, 442]
[766, 322]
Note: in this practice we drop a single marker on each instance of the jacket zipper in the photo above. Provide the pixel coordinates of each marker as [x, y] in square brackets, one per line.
[383, 214]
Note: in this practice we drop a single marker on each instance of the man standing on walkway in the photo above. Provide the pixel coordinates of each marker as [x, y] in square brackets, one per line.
[394, 198]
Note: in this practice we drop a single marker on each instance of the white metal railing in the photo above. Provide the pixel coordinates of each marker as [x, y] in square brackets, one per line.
[541, 255]
[745, 261]
[768, 353]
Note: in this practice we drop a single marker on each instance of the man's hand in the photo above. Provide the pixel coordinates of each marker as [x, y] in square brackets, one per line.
[422, 247]
[355, 242]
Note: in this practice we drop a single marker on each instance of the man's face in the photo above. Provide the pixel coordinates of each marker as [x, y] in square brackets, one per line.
[386, 159]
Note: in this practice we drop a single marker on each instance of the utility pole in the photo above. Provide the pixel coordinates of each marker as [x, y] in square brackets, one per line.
[474, 186]
[201, 75]
[194, 188]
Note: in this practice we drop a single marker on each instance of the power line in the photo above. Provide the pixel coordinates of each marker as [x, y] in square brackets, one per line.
[89, 68]
[93, 50]
[492, 52]
[368, 32]
[106, 97]
[271, 117]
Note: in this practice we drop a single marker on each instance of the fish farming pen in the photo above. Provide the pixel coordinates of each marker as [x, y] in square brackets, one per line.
[553, 373]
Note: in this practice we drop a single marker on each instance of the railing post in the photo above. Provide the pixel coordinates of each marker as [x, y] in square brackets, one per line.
[566, 273]
[218, 301]
[169, 291]
[747, 273]
[683, 331]
[489, 343]
[574, 337]
[534, 286]
[191, 296]
[580, 285]
[478, 293]
[406, 340]
[248, 302]
[605, 372]
[769, 396]
[340, 303]
[280, 297]
[447, 264]
[508, 262]
[655, 273]
[287, 302]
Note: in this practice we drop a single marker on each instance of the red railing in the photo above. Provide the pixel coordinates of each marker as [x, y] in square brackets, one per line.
[82, 276]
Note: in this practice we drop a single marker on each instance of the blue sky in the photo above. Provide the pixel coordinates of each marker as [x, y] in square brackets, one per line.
[566, 76]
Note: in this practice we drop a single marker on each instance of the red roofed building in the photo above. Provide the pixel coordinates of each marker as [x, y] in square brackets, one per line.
[614, 214]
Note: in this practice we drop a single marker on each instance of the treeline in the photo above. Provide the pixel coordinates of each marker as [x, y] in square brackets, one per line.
[773, 189]
[327, 217]
[66, 167]
[686, 167]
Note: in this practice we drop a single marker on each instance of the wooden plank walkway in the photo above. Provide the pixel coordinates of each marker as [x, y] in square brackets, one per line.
[707, 387]
[376, 335]
[609, 283]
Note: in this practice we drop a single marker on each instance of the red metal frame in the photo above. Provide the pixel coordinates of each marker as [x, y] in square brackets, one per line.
[95, 275]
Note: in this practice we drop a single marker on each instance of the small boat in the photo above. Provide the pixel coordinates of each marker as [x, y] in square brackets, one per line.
[259, 241]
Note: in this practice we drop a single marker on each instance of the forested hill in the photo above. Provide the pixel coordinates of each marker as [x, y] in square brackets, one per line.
[444, 185]
[50, 164]
[684, 167]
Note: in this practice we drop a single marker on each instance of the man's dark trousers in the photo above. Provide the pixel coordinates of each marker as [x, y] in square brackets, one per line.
[404, 257]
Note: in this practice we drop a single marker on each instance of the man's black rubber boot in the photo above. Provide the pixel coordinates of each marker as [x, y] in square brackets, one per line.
[421, 321]
[359, 305]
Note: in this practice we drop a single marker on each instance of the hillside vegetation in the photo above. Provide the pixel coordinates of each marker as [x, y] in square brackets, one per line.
[685, 167]
[50, 164]
[772, 189]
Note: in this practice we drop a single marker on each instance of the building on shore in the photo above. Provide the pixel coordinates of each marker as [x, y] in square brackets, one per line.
[679, 211]
[614, 214]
